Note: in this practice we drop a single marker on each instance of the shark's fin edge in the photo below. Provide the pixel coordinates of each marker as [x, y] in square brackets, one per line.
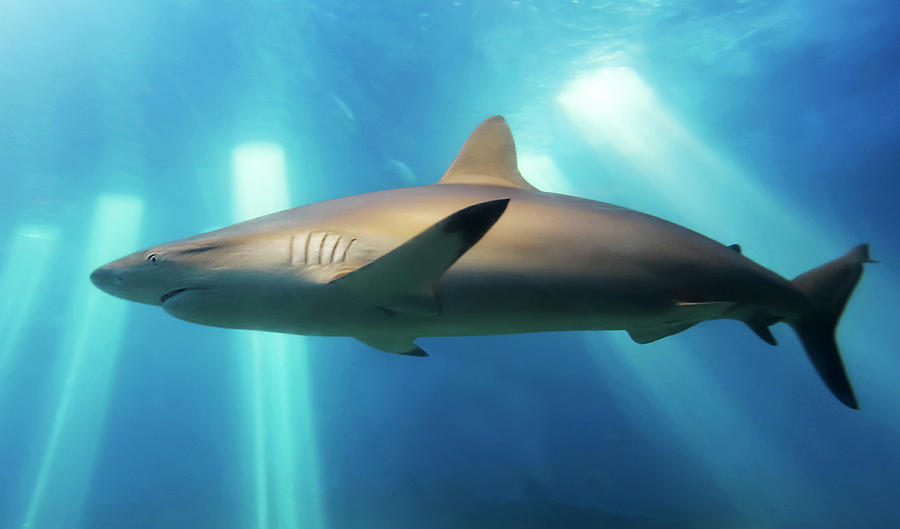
[759, 323]
[415, 351]
[393, 344]
[829, 288]
[404, 279]
[645, 336]
[487, 158]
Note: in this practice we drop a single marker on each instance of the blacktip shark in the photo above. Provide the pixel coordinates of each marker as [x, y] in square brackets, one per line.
[480, 252]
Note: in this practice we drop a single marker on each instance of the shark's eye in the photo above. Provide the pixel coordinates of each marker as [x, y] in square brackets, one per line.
[152, 258]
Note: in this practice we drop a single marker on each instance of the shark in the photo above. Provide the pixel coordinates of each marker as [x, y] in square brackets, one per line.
[481, 252]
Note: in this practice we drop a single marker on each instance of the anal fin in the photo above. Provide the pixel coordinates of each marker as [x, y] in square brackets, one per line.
[764, 333]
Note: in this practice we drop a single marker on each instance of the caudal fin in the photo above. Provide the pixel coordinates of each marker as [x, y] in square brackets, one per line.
[829, 287]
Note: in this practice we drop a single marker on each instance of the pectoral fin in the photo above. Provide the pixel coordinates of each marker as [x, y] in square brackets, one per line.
[393, 344]
[403, 280]
[759, 323]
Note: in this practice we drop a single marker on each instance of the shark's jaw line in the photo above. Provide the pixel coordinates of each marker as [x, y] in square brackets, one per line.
[171, 294]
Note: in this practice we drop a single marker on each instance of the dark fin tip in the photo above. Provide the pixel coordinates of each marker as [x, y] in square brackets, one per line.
[818, 340]
[475, 220]
[736, 247]
[860, 252]
[765, 334]
[418, 351]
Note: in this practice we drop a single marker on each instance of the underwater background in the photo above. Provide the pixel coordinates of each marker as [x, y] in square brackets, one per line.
[772, 124]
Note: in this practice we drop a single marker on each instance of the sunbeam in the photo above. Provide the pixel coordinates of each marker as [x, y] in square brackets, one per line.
[28, 256]
[285, 455]
[673, 174]
[89, 350]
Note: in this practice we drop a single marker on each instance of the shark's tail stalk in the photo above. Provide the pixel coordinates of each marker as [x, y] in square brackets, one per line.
[829, 287]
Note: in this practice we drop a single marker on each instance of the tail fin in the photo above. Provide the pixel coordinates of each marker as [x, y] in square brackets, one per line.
[829, 287]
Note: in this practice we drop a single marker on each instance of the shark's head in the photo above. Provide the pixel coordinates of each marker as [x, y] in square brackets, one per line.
[145, 276]
[213, 280]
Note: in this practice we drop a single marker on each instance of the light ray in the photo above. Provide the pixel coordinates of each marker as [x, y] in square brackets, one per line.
[705, 421]
[284, 449]
[670, 172]
[618, 362]
[540, 170]
[29, 253]
[674, 174]
[89, 352]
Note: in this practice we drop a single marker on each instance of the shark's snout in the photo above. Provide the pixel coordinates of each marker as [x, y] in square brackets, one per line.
[107, 279]
[124, 278]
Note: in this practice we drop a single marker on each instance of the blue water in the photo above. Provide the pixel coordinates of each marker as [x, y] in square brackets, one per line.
[772, 124]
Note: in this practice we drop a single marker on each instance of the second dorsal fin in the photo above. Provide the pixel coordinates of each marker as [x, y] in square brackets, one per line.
[487, 158]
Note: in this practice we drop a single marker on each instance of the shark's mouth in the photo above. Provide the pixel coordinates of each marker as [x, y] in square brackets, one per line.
[170, 295]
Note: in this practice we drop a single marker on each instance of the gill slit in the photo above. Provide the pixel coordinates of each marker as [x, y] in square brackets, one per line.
[334, 249]
[347, 251]
[306, 249]
[291, 250]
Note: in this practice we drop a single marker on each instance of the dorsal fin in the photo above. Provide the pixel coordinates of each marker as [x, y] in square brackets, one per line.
[487, 158]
